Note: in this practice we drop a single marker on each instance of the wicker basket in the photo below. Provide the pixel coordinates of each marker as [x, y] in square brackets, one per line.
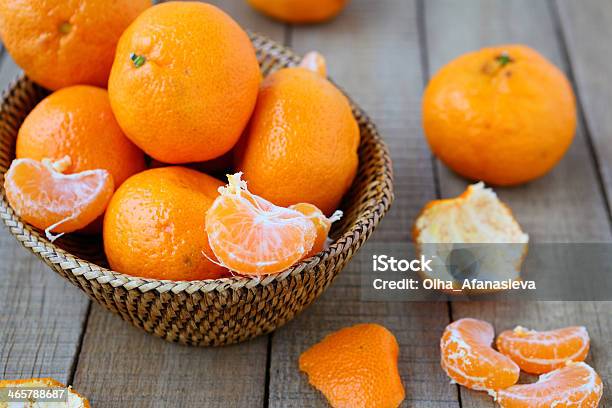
[213, 312]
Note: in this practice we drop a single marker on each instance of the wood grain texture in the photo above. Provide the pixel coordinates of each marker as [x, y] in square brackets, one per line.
[566, 205]
[42, 314]
[372, 50]
[123, 366]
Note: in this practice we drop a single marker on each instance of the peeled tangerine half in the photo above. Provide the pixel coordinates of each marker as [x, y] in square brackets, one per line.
[576, 385]
[539, 352]
[472, 236]
[44, 197]
[356, 367]
[72, 398]
[470, 360]
[251, 236]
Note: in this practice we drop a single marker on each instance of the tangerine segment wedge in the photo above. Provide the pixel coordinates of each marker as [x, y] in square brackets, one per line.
[321, 222]
[469, 359]
[540, 352]
[356, 367]
[249, 235]
[576, 385]
[44, 197]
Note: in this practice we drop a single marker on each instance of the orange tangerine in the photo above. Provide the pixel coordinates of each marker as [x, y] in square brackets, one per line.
[44, 197]
[469, 359]
[576, 385]
[540, 352]
[356, 367]
[252, 236]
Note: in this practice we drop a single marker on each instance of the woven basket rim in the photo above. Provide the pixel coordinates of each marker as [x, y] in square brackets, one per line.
[368, 219]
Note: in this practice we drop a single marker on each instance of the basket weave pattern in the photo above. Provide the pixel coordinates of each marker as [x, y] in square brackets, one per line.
[213, 312]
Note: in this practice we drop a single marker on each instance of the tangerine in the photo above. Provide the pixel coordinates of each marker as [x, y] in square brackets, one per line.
[301, 144]
[504, 115]
[154, 225]
[251, 236]
[61, 43]
[44, 197]
[299, 11]
[184, 82]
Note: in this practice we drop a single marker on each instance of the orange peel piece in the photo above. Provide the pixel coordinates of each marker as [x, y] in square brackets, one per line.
[356, 367]
[474, 218]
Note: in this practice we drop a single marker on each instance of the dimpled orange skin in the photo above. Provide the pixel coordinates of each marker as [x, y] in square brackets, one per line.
[300, 11]
[301, 143]
[356, 367]
[504, 125]
[154, 225]
[59, 43]
[194, 84]
[78, 122]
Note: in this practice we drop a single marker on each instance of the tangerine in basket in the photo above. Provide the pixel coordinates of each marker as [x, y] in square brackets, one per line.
[504, 115]
[78, 122]
[44, 197]
[301, 144]
[469, 359]
[356, 367]
[73, 398]
[576, 385]
[321, 222]
[299, 11]
[540, 352]
[154, 225]
[60, 43]
[184, 82]
[251, 236]
[451, 233]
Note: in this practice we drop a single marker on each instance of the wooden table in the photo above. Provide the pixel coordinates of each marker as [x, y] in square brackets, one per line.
[382, 52]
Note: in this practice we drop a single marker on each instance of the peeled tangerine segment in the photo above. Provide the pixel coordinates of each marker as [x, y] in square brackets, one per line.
[251, 236]
[539, 352]
[73, 398]
[475, 226]
[356, 367]
[576, 385]
[44, 197]
[469, 359]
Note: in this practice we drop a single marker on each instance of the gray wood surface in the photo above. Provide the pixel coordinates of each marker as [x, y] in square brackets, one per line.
[379, 66]
[566, 205]
[381, 53]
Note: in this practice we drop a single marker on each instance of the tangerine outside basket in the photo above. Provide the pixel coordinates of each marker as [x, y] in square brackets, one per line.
[212, 312]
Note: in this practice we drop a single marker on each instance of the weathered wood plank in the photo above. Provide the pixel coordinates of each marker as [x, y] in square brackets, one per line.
[373, 53]
[42, 314]
[123, 366]
[587, 27]
[567, 205]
